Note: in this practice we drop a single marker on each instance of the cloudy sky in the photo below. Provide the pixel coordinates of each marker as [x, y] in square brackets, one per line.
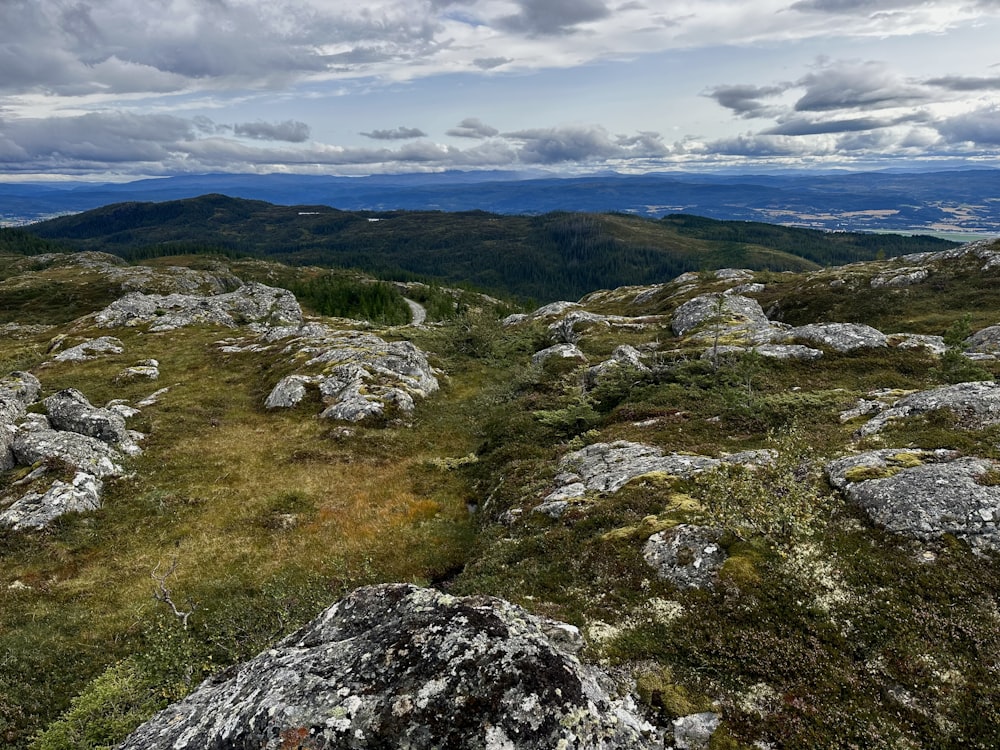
[114, 89]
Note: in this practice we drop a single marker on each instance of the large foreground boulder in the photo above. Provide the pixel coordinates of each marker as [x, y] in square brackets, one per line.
[397, 666]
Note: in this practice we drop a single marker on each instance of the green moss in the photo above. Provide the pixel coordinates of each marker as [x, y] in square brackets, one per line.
[865, 473]
[658, 691]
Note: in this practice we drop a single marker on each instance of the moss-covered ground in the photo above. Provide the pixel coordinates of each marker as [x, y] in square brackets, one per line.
[823, 631]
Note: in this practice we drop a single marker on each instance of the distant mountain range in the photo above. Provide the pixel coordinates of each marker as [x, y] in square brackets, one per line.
[957, 202]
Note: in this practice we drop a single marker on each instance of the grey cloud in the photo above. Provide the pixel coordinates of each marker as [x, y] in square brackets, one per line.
[848, 86]
[798, 126]
[849, 6]
[745, 100]
[97, 139]
[981, 127]
[396, 134]
[79, 47]
[488, 63]
[964, 83]
[541, 17]
[582, 144]
[289, 130]
[752, 145]
[473, 127]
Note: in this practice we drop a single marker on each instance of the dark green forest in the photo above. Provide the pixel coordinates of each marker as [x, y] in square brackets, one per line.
[552, 256]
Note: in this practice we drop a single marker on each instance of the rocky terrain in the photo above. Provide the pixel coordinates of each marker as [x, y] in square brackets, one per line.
[734, 509]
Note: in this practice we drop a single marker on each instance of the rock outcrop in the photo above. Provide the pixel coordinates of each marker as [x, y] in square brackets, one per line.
[70, 411]
[731, 314]
[607, 467]
[36, 510]
[924, 494]
[558, 351]
[91, 349]
[359, 375]
[977, 404]
[17, 391]
[397, 666]
[841, 337]
[252, 304]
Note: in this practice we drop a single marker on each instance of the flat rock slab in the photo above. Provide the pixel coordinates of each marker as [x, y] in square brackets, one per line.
[924, 494]
[841, 337]
[976, 403]
[397, 666]
[607, 467]
[91, 349]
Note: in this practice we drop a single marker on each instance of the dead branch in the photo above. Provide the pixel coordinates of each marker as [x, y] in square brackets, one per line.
[162, 593]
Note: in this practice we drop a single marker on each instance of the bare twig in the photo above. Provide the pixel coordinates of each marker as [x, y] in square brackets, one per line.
[162, 593]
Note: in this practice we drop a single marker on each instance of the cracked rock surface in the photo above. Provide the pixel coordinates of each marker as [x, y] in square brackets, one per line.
[397, 666]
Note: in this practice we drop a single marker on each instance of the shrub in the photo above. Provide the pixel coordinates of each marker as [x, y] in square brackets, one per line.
[781, 502]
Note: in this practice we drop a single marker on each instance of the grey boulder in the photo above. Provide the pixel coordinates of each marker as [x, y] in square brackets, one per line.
[924, 494]
[397, 666]
[976, 403]
[688, 556]
[842, 337]
[35, 510]
[84, 453]
[69, 410]
[17, 391]
[731, 313]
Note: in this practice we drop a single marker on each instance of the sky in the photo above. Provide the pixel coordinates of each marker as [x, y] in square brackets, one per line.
[121, 89]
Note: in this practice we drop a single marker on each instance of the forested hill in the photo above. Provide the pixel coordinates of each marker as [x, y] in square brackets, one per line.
[547, 257]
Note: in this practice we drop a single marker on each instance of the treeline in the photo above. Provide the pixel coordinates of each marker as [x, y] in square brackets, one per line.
[342, 297]
[21, 242]
[824, 248]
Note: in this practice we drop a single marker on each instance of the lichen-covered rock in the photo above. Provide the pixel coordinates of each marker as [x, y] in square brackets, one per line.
[359, 375]
[694, 732]
[561, 351]
[36, 510]
[85, 453]
[607, 467]
[396, 666]
[251, 304]
[933, 344]
[147, 369]
[984, 341]
[71, 411]
[624, 356]
[288, 392]
[924, 494]
[771, 351]
[900, 277]
[842, 337]
[688, 556]
[17, 391]
[91, 349]
[733, 314]
[977, 404]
